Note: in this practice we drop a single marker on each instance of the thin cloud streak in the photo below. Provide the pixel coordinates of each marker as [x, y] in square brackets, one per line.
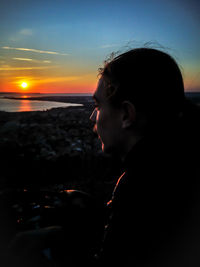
[22, 59]
[31, 60]
[27, 32]
[108, 46]
[24, 68]
[34, 50]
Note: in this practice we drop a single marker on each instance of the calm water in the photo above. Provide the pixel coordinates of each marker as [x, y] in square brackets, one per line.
[15, 105]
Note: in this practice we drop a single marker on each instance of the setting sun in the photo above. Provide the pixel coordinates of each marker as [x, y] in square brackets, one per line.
[24, 85]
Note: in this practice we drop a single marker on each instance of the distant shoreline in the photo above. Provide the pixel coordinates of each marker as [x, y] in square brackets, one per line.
[84, 100]
[45, 94]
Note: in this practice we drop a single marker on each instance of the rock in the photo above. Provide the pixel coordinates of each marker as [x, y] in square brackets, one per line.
[47, 154]
[10, 127]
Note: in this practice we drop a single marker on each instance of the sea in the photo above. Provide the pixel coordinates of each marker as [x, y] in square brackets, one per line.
[8, 102]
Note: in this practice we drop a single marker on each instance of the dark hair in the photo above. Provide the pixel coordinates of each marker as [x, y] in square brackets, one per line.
[149, 78]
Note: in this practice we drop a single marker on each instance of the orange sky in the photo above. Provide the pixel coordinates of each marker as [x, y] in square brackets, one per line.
[58, 47]
[69, 84]
[53, 76]
[46, 72]
[47, 80]
[43, 81]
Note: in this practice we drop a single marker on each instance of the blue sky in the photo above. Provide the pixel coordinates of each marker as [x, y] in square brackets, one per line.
[83, 33]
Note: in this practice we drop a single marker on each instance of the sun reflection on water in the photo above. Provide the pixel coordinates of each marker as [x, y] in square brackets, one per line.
[25, 105]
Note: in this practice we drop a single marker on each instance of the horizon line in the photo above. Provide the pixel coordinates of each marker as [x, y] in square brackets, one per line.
[7, 92]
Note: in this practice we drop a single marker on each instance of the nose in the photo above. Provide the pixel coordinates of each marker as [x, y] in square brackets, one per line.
[93, 116]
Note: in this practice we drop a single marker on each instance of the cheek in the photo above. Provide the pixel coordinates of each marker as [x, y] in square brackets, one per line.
[100, 120]
[106, 123]
[103, 124]
[97, 115]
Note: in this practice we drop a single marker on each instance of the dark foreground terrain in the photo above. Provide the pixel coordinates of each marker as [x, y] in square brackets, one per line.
[42, 154]
[48, 147]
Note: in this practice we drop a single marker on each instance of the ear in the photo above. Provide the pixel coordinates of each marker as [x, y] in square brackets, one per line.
[128, 114]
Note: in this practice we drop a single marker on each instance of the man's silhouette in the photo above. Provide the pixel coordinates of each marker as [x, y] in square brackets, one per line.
[142, 116]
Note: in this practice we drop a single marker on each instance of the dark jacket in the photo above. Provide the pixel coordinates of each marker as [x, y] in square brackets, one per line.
[155, 202]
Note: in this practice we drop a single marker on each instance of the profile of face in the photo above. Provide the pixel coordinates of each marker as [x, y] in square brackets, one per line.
[107, 119]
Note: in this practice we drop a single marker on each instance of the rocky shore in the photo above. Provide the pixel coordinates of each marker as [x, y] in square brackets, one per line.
[49, 151]
[51, 147]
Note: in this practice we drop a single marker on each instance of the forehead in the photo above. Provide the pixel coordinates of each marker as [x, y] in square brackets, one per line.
[100, 92]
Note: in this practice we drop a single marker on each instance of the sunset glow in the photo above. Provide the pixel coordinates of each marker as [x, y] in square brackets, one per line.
[52, 54]
[24, 85]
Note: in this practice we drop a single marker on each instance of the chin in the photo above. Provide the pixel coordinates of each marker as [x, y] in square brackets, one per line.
[103, 148]
[108, 150]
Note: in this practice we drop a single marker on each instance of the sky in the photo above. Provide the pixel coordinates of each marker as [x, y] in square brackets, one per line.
[58, 46]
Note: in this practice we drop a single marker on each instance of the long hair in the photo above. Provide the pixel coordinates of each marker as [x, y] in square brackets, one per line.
[149, 78]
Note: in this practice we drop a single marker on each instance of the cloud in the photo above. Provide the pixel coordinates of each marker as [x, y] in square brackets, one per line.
[8, 68]
[21, 35]
[27, 32]
[34, 50]
[31, 60]
[108, 45]
[22, 59]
